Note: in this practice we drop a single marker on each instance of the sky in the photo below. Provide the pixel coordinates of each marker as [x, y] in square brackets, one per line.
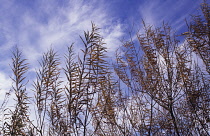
[37, 25]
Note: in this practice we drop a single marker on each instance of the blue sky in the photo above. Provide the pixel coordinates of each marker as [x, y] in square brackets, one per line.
[36, 25]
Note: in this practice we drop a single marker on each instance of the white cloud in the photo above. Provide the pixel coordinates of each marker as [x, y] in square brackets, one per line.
[5, 85]
[113, 36]
[59, 33]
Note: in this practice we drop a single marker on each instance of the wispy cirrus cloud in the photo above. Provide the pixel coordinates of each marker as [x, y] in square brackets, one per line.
[48, 24]
[38, 25]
